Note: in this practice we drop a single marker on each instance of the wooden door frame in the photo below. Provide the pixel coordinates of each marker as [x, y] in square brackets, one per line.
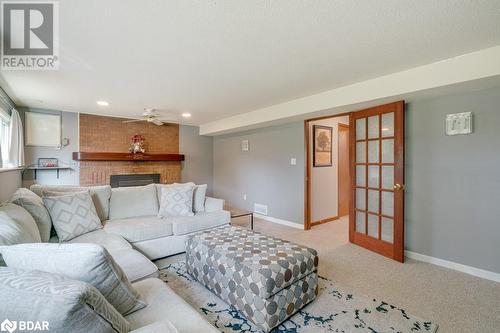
[348, 127]
[307, 159]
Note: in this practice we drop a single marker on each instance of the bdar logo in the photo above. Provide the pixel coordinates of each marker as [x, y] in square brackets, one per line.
[9, 326]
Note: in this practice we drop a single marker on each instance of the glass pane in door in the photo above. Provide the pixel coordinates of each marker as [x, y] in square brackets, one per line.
[387, 177]
[388, 124]
[387, 230]
[361, 152]
[388, 203]
[361, 198]
[388, 151]
[373, 201]
[360, 222]
[373, 225]
[373, 151]
[360, 175]
[373, 176]
[361, 129]
[373, 129]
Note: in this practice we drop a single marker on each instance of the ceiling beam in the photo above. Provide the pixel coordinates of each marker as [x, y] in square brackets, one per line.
[468, 67]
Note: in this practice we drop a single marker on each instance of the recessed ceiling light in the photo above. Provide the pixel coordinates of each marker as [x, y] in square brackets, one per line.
[186, 115]
[102, 103]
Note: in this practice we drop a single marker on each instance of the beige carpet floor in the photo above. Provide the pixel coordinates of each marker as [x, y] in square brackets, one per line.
[457, 302]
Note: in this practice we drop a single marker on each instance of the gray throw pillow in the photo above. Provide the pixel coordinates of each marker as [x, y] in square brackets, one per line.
[17, 226]
[65, 305]
[176, 200]
[34, 205]
[89, 263]
[199, 195]
[72, 215]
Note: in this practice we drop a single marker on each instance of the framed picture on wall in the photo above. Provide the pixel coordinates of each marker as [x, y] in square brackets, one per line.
[322, 146]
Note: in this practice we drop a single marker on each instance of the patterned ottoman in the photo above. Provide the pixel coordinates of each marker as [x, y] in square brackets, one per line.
[266, 278]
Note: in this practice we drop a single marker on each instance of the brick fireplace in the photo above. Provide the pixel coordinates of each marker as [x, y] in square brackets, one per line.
[108, 134]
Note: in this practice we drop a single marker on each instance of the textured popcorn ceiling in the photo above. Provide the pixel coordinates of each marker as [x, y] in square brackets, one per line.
[217, 59]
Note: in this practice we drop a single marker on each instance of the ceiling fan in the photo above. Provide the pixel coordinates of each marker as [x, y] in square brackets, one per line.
[149, 115]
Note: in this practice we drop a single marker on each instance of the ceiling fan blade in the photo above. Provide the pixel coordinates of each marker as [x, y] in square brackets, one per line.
[157, 122]
[132, 121]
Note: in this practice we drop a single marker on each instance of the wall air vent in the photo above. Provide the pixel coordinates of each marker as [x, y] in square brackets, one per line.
[260, 209]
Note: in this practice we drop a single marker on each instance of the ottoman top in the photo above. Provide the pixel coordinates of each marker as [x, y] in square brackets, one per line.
[265, 264]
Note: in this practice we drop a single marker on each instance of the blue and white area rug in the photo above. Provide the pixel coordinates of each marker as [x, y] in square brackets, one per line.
[334, 310]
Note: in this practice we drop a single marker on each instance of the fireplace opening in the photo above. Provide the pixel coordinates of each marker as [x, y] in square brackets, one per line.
[134, 179]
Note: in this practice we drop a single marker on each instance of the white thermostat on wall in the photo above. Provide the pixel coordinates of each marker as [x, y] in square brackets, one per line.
[459, 123]
[245, 145]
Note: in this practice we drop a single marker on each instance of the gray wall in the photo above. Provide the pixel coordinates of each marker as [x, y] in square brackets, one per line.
[10, 181]
[70, 131]
[264, 173]
[199, 153]
[453, 183]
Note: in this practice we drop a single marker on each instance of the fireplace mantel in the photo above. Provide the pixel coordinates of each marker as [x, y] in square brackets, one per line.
[105, 156]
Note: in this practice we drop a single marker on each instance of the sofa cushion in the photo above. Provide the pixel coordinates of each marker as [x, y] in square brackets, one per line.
[164, 303]
[89, 263]
[163, 326]
[185, 225]
[17, 226]
[176, 200]
[100, 195]
[139, 228]
[66, 305]
[133, 201]
[199, 194]
[72, 215]
[109, 241]
[34, 205]
[134, 264]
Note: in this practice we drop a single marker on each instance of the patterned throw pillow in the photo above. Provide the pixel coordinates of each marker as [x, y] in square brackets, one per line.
[176, 200]
[90, 263]
[72, 215]
[67, 305]
[199, 195]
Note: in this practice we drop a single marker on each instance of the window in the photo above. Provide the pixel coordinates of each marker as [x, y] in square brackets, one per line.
[4, 139]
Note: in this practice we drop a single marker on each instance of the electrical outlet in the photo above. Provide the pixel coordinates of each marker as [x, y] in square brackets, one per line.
[293, 161]
[244, 197]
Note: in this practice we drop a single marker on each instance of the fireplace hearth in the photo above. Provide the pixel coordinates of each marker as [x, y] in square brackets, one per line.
[134, 179]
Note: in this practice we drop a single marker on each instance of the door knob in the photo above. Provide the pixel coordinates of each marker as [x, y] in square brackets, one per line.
[399, 187]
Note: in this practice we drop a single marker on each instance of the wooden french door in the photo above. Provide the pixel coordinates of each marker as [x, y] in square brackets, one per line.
[376, 214]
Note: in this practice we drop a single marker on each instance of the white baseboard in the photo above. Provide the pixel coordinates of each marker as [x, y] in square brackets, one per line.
[279, 221]
[456, 266]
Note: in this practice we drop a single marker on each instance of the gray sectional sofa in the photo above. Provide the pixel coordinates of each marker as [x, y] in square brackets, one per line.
[134, 235]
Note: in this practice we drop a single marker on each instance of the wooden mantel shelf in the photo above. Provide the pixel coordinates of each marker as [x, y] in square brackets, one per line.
[104, 156]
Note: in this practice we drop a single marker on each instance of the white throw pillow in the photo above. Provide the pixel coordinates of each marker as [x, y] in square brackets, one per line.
[35, 206]
[17, 225]
[89, 263]
[72, 215]
[176, 200]
[67, 305]
[199, 195]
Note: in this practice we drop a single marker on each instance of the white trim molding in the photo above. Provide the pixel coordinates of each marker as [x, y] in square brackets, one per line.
[280, 221]
[455, 266]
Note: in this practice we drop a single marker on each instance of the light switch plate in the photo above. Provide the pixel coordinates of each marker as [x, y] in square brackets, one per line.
[293, 161]
[459, 123]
